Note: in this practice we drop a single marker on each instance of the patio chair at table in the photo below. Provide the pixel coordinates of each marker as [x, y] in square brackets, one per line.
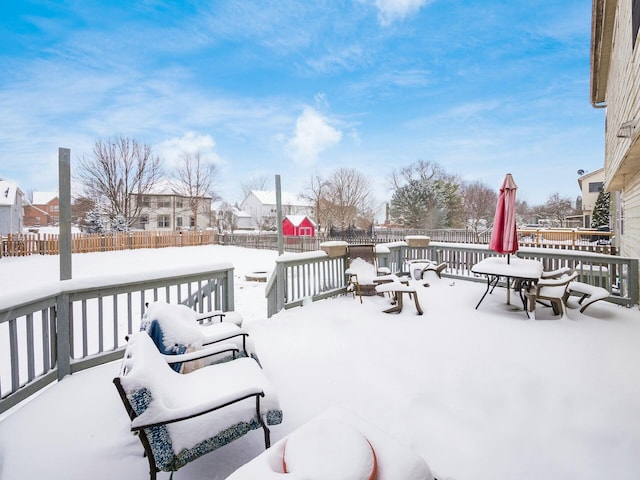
[552, 290]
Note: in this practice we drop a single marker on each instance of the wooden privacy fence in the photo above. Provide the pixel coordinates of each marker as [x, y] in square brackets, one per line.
[49, 244]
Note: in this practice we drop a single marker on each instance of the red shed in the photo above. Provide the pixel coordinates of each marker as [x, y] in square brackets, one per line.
[298, 226]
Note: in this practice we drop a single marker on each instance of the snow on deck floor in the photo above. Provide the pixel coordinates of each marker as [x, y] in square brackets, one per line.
[481, 394]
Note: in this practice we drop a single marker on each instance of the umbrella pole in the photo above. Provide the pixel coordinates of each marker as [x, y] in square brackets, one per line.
[508, 282]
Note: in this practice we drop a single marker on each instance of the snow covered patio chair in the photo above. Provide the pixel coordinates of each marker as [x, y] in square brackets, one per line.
[179, 418]
[418, 268]
[363, 273]
[175, 328]
[552, 290]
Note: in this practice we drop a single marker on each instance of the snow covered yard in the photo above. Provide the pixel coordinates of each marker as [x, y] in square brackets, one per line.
[480, 394]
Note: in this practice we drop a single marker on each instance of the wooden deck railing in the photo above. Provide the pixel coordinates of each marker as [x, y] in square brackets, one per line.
[73, 326]
[295, 277]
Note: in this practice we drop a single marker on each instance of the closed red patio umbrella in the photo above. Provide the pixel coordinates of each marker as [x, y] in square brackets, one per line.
[504, 237]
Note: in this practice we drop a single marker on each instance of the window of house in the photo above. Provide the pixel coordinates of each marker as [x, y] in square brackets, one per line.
[178, 221]
[635, 21]
[164, 202]
[145, 202]
[179, 203]
[595, 187]
[144, 219]
[55, 208]
[163, 221]
[192, 222]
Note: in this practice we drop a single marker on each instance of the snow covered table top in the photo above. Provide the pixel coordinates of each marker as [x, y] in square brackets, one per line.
[513, 267]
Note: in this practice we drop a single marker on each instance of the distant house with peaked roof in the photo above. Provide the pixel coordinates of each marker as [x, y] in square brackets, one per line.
[166, 208]
[591, 184]
[11, 208]
[298, 226]
[261, 205]
[43, 211]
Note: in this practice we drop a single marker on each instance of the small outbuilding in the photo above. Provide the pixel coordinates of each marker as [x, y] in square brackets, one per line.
[298, 226]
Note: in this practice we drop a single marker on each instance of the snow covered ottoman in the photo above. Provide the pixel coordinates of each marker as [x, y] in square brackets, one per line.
[337, 445]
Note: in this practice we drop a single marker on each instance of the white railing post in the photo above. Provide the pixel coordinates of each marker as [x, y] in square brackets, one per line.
[63, 335]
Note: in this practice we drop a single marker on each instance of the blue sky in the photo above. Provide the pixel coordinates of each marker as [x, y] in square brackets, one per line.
[299, 88]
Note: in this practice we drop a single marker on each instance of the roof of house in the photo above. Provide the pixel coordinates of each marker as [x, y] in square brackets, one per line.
[588, 175]
[603, 17]
[268, 197]
[42, 198]
[296, 220]
[240, 213]
[8, 192]
[169, 187]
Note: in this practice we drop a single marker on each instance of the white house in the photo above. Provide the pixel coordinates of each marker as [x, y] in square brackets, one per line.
[164, 208]
[590, 185]
[261, 206]
[11, 208]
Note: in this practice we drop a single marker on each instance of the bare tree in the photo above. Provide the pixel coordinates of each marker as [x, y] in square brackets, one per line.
[195, 178]
[559, 208]
[315, 190]
[80, 207]
[479, 202]
[257, 182]
[119, 169]
[349, 197]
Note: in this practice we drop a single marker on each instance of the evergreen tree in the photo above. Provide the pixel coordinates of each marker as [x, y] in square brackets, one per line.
[601, 214]
[119, 224]
[95, 221]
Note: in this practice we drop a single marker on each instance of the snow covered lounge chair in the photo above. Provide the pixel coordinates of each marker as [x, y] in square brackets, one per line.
[179, 418]
[419, 268]
[175, 327]
[587, 292]
[552, 290]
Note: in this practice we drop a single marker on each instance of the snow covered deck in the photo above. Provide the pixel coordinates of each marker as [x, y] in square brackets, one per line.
[482, 394]
[479, 394]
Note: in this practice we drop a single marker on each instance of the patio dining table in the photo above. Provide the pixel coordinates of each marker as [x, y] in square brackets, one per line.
[523, 272]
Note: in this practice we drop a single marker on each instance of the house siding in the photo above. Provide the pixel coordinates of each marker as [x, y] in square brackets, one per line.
[630, 240]
[623, 103]
[154, 212]
[616, 80]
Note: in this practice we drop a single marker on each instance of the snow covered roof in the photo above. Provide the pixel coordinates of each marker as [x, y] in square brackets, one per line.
[268, 197]
[168, 187]
[42, 198]
[163, 187]
[8, 192]
[240, 213]
[296, 220]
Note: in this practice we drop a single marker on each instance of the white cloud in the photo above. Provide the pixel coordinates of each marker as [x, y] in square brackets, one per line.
[391, 10]
[190, 143]
[313, 134]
